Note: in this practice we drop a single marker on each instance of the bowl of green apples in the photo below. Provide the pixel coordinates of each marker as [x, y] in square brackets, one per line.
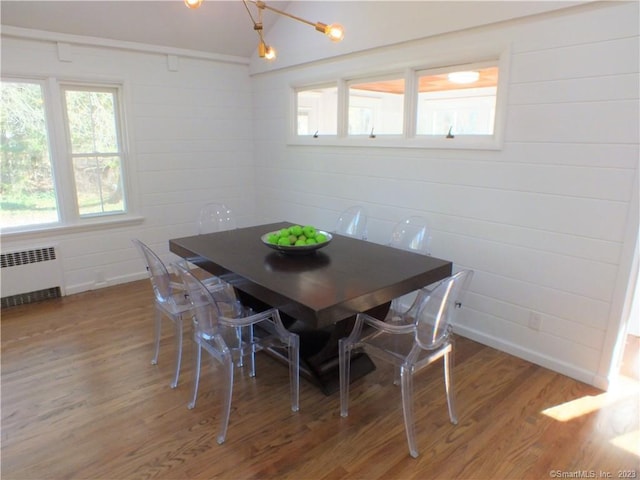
[297, 239]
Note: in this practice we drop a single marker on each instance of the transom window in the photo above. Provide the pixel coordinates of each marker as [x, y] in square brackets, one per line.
[461, 102]
[376, 107]
[317, 111]
[454, 106]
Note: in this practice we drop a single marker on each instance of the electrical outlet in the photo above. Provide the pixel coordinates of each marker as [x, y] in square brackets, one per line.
[535, 321]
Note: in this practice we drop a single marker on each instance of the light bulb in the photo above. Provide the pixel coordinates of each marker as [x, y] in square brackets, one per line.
[270, 53]
[335, 32]
[265, 51]
[463, 77]
[193, 3]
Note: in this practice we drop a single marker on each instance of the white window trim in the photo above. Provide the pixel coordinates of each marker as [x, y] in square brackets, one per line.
[70, 221]
[409, 139]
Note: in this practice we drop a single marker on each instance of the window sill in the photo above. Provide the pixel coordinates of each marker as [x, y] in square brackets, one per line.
[86, 226]
[457, 143]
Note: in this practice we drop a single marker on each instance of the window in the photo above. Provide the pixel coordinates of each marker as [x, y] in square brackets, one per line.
[27, 186]
[376, 107]
[457, 102]
[457, 106]
[94, 150]
[317, 111]
[60, 177]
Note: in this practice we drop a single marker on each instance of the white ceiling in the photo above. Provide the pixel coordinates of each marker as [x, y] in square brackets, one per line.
[221, 27]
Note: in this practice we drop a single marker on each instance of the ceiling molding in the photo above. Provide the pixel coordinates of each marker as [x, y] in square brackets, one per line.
[55, 37]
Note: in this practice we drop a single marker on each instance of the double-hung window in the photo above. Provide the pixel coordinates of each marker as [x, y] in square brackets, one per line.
[63, 154]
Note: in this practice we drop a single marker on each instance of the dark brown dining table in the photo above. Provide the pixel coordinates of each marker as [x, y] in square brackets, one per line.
[318, 294]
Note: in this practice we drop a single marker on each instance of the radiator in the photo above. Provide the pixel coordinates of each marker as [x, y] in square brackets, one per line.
[30, 275]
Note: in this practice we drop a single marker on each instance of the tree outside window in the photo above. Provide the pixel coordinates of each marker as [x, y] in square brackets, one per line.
[27, 188]
[32, 177]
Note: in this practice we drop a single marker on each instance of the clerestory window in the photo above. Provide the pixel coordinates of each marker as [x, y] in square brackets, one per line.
[457, 106]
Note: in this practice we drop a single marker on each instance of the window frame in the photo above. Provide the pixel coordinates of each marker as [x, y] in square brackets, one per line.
[315, 86]
[396, 75]
[409, 138]
[70, 220]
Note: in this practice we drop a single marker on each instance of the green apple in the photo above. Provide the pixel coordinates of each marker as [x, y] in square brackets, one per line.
[284, 241]
[309, 231]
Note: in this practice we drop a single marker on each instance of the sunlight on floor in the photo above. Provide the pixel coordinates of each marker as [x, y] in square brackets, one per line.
[629, 442]
[623, 389]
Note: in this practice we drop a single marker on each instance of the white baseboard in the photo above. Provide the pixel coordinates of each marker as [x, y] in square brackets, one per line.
[545, 361]
[85, 287]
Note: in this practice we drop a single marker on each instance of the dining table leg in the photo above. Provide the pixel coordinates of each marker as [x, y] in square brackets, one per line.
[319, 347]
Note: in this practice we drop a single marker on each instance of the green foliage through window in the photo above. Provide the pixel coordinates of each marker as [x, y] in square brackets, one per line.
[88, 167]
[27, 187]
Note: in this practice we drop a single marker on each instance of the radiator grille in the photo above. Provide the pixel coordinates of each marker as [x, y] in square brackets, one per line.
[30, 275]
[14, 259]
[31, 297]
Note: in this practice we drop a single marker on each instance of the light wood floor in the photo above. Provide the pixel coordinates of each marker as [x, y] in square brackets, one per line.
[80, 400]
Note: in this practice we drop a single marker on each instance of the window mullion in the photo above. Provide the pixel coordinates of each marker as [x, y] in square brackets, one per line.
[410, 103]
[63, 174]
[343, 108]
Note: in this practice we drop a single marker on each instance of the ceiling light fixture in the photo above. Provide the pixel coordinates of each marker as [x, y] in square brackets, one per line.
[462, 77]
[335, 31]
[193, 3]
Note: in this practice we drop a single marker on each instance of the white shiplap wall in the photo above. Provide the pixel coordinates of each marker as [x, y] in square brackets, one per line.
[190, 137]
[548, 222]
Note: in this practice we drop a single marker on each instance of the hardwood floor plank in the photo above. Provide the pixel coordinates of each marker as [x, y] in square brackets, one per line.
[80, 399]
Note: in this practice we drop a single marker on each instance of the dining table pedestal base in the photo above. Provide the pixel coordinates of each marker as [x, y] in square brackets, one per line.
[319, 358]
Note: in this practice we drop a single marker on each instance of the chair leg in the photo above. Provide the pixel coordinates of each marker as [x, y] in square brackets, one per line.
[294, 371]
[396, 375]
[448, 386]
[406, 378]
[252, 362]
[344, 351]
[227, 386]
[156, 340]
[239, 339]
[178, 325]
[196, 374]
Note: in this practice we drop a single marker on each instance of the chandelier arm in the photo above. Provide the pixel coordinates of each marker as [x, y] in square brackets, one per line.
[335, 32]
[249, 12]
[261, 5]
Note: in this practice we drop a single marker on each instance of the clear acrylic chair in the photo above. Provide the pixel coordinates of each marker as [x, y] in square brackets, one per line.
[353, 222]
[423, 338]
[412, 233]
[215, 217]
[217, 335]
[170, 302]
[212, 218]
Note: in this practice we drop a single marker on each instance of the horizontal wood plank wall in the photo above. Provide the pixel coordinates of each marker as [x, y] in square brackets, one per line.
[542, 221]
[80, 399]
[189, 132]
